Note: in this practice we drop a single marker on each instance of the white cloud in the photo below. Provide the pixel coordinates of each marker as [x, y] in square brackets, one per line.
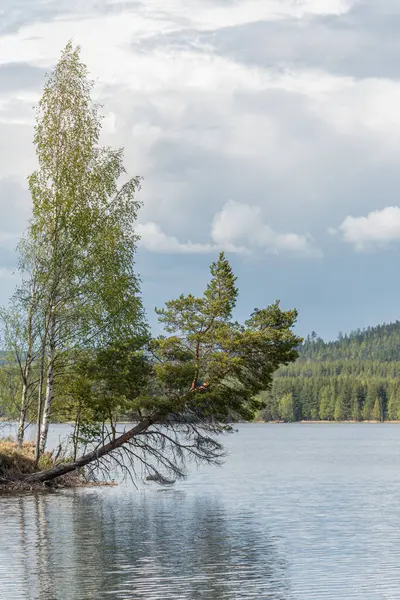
[169, 91]
[112, 45]
[39, 42]
[243, 224]
[363, 106]
[110, 123]
[113, 52]
[171, 78]
[236, 228]
[378, 228]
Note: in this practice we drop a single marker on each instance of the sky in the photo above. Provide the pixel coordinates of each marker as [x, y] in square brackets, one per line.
[269, 129]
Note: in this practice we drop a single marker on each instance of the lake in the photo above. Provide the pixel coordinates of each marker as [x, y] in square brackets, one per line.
[298, 512]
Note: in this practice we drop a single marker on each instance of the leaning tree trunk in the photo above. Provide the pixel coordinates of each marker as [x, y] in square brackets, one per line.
[49, 386]
[95, 455]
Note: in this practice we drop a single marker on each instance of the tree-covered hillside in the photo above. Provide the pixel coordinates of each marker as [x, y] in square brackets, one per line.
[353, 378]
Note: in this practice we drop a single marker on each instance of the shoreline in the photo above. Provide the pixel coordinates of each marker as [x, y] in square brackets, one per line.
[17, 464]
[304, 422]
[17, 485]
[258, 422]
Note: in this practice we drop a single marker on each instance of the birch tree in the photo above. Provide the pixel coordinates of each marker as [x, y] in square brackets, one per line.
[82, 228]
[20, 333]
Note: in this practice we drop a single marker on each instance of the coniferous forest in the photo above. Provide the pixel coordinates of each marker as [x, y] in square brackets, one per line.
[353, 378]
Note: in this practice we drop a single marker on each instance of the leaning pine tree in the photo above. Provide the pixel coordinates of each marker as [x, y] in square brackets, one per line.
[185, 387]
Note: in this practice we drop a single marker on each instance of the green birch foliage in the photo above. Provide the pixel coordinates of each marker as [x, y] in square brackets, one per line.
[82, 221]
[79, 287]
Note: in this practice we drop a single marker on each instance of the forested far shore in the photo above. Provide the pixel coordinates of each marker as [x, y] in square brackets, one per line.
[355, 378]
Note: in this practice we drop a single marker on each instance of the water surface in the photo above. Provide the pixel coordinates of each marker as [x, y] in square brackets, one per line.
[298, 512]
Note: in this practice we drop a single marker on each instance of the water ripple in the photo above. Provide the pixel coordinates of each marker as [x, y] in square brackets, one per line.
[297, 513]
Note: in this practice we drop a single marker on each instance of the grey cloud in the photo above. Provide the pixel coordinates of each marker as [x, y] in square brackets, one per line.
[15, 14]
[14, 214]
[360, 43]
[20, 76]
[14, 206]
[355, 44]
[307, 174]
[330, 176]
[17, 154]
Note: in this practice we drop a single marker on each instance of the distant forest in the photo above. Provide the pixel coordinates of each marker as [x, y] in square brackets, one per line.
[354, 378]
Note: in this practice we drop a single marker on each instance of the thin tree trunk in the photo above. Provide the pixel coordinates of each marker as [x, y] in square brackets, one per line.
[49, 386]
[77, 427]
[39, 404]
[63, 469]
[24, 397]
[27, 370]
[22, 414]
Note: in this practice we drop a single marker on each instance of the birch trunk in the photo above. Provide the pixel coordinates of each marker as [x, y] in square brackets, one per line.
[40, 404]
[27, 370]
[22, 414]
[49, 386]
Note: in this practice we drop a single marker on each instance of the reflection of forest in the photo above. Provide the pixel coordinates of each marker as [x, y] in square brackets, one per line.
[90, 545]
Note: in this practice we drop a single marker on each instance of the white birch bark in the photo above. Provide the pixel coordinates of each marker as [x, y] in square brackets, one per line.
[49, 386]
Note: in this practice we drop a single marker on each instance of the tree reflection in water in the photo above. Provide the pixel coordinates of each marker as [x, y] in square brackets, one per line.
[155, 545]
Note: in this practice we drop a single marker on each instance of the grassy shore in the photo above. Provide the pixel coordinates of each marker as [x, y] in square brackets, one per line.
[16, 463]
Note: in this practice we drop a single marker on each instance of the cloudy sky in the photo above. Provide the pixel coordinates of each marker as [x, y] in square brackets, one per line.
[267, 128]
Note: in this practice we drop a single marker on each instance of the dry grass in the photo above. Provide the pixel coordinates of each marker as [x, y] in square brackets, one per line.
[16, 462]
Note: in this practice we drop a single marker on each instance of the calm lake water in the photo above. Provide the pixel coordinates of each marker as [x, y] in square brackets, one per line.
[298, 512]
